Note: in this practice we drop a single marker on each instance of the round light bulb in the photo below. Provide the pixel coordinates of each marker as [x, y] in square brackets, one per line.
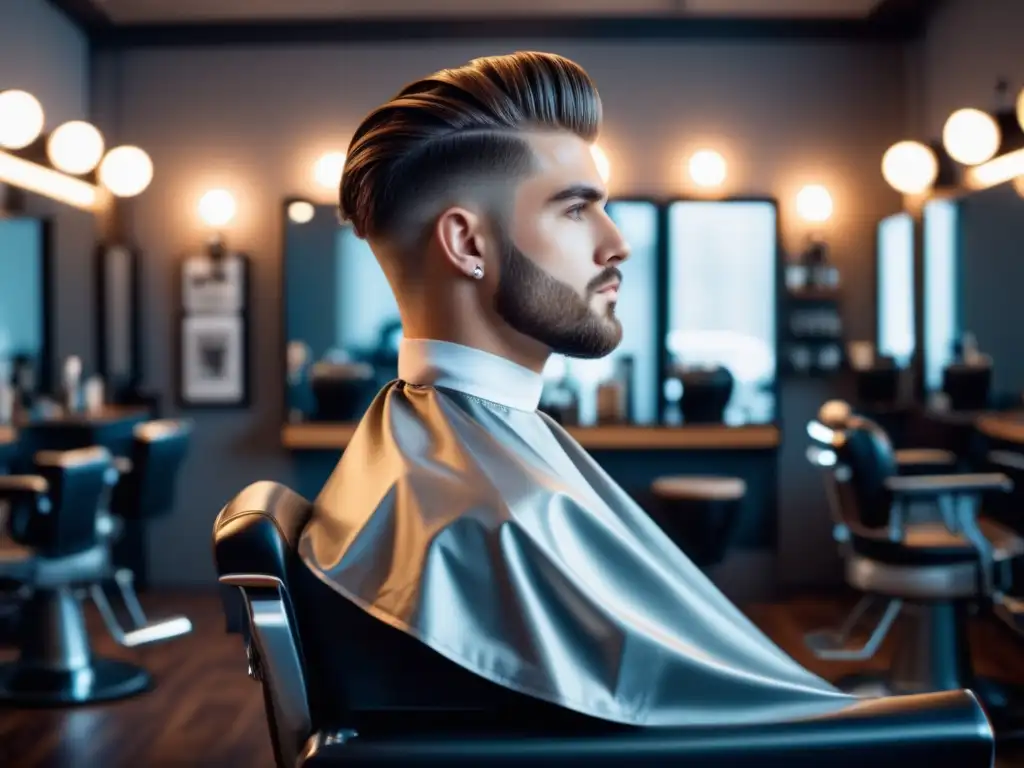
[971, 136]
[301, 212]
[707, 168]
[814, 203]
[604, 166]
[910, 167]
[76, 147]
[21, 119]
[126, 171]
[328, 170]
[217, 207]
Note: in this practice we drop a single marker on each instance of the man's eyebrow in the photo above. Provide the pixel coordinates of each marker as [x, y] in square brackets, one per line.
[581, 191]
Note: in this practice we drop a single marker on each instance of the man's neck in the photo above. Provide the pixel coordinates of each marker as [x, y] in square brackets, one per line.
[480, 334]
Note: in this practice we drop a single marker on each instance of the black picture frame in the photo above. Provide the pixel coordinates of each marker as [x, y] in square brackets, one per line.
[194, 390]
[118, 315]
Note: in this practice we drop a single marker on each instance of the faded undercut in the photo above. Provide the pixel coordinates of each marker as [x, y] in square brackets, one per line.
[457, 127]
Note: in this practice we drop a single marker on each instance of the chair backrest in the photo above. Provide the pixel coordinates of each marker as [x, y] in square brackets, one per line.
[968, 386]
[362, 668]
[158, 451]
[77, 483]
[865, 461]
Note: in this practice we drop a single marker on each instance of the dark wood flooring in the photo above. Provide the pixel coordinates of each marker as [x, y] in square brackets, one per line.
[205, 711]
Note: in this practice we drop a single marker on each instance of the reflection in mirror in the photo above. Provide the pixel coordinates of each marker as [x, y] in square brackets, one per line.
[895, 274]
[631, 371]
[722, 311]
[941, 284]
[991, 230]
[24, 311]
[341, 319]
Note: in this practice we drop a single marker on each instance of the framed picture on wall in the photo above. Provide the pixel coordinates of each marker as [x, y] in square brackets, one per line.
[214, 285]
[213, 370]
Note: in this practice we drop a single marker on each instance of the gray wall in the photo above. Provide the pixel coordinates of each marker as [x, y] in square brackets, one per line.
[968, 46]
[254, 119]
[42, 52]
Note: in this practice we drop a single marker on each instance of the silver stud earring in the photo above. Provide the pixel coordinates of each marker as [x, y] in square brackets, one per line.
[478, 271]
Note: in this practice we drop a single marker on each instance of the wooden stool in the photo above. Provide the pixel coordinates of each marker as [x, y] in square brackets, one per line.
[699, 514]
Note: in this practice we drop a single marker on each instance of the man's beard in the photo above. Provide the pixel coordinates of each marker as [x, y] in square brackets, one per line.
[537, 305]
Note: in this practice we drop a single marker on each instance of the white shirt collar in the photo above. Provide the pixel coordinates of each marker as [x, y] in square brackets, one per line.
[429, 362]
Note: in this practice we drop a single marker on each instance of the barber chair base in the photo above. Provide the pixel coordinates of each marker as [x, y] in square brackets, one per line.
[22, 685]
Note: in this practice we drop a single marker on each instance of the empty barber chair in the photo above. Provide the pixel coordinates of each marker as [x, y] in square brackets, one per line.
[343, 689]
[699, 514]
[145, 491]
[53, 515]
[928, 575]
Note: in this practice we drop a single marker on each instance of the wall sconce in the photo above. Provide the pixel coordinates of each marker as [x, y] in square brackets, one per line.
[329, 169]
[910, 167]
[217, 208]
[604, 166]
[126, 171]
[707, 168]
[63, 165]
[814, 204]
[971, 137]
[76, 147]
[21, 119]
[301, 211]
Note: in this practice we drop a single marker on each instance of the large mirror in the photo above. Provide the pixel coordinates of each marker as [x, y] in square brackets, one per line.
[722, 301]
[988, 266]
[941, 290]
[342, 324]
[25, 330]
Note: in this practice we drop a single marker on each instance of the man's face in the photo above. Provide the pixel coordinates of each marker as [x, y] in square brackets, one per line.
[560, 253]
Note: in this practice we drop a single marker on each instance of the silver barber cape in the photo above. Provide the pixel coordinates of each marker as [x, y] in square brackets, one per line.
[461, 515]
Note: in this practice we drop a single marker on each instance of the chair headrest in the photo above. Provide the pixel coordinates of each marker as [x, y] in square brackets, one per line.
[835, 414]
[79, 458]
[162, 429]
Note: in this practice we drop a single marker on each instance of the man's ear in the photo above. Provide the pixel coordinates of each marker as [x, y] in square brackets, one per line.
[460, 232]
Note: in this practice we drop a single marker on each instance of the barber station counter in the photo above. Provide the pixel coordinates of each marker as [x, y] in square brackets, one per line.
[1007, 427]
[319, 436]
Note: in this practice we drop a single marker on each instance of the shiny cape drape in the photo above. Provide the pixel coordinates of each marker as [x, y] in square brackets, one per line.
[491, 536]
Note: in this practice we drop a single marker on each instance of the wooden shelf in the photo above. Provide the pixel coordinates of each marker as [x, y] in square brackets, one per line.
[315, 436]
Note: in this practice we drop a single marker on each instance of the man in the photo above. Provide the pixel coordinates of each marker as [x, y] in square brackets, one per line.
[461, 515]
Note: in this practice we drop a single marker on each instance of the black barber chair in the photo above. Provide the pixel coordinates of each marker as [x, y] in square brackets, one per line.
[53, 515]
[341, 688]
[929, 575]
[145, 491]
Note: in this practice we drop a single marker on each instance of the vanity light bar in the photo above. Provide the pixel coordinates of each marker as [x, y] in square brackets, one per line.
[996, 171]
[46, 181]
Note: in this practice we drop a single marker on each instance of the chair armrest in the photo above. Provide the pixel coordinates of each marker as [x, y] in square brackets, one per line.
[23, 485]
[1007, 460]
[931, 486]
[256, 538]
[883, 733]
[916, 457]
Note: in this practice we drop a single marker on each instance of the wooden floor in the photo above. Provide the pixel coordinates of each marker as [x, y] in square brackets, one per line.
[205, 711]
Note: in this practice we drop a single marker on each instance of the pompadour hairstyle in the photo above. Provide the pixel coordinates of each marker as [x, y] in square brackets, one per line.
[458, 125]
